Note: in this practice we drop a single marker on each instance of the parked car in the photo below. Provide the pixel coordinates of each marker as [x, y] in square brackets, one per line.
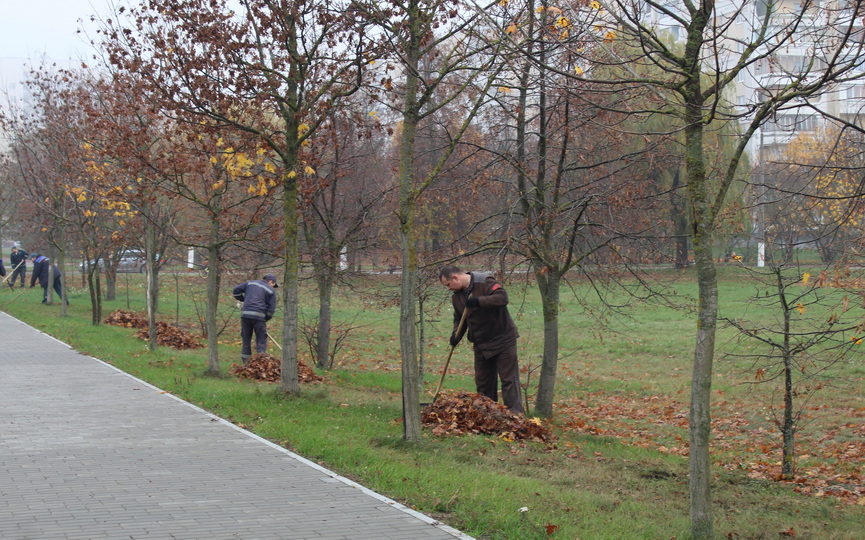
[130, 262]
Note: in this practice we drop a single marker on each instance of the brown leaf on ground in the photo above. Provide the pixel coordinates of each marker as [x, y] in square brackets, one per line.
[166, 334]
[265, 367]
[129, 319]
[466, 412]
[829, 463]
[171, 336]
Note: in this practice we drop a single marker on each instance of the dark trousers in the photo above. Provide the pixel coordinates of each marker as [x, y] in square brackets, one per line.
[247, 328]
[500, 365]
[20, 271]
[58, 290]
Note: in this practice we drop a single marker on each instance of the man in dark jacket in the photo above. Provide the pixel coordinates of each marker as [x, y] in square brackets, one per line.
[19, 267]
[490, 328]
[259, 304]
[41, 264]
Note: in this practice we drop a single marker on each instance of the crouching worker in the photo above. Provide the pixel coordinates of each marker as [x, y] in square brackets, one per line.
[41, 265]
[490, 328]
[259, 304]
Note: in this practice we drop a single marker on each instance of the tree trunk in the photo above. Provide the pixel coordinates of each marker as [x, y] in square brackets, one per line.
[421, 345]
[678, 209]
[289, 382]
[788, 428]
[549, 284]
[110, 287]
[49, 293]
[152, 343]
[408, 237]
[325, 278]
[95, 290]
[699, 425]
[210, 311]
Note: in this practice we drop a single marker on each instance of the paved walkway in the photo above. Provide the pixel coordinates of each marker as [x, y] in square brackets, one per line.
[87, 451]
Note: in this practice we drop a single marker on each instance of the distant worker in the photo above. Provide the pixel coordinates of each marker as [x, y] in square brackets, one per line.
[18, 259]
[490, 328]
[259, 304]
[41, 264]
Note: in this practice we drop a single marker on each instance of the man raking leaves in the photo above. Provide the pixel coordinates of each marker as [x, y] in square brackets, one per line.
[491, 330]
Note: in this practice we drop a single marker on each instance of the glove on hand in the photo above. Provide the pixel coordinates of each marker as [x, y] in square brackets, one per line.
[472, 302]
[454, 340]
[267, 317]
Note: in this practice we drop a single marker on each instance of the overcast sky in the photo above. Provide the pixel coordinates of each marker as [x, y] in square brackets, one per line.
[30, 29]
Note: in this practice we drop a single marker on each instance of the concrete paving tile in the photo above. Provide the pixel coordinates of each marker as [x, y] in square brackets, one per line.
[90, 452]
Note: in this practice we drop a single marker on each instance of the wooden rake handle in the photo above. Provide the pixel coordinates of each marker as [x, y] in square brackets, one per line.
[448, 361]
[13, 270]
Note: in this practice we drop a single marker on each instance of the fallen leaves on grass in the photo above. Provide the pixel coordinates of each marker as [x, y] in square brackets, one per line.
[265, 367]
[171, 336]
[741, 440]
[166, 334]
[465, 412]
[129, 319]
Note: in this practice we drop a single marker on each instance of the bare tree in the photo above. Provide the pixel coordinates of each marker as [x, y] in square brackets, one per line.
[812, 330]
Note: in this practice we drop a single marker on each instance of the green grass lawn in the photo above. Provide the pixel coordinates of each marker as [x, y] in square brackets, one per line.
[617, 469]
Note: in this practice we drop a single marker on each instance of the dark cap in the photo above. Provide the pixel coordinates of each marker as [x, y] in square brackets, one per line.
[270, 277]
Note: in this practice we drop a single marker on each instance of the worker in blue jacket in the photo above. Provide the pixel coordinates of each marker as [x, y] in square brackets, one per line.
[259, 304]
[41, 263]
[18, 261]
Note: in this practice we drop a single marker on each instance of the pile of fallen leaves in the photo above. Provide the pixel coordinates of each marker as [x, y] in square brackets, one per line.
[129, 319]
[265, 367]
[166, 334]
[172, 336]
[466, 412]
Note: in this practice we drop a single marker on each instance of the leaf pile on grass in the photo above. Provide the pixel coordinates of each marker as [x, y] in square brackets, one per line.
[466, 412]
[166, 334]
[265, 367]
[171, 336]
[129, 319]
